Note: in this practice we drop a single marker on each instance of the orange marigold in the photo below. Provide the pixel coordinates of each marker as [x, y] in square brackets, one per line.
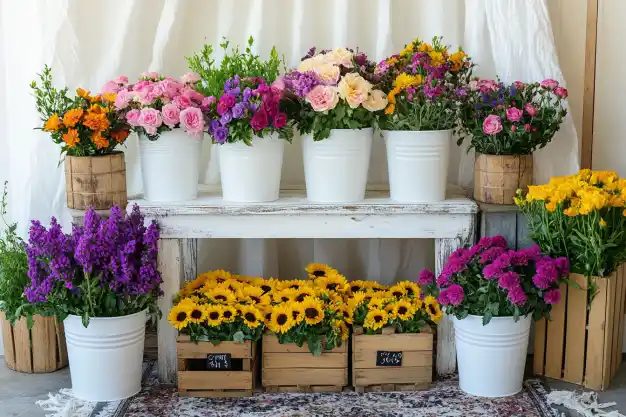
[71, 117]
[390, 109]
[71, 138]
[52, 124]
[83, 93]
[120, 135]
[99, 140]
[96, 119]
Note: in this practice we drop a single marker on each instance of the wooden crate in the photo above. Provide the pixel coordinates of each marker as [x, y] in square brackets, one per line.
[415, 372]
[240, 381]
[289, 368]
[580, 345]
[498, 177]
[98, 181]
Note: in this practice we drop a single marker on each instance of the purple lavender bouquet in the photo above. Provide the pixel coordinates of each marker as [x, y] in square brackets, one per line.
[491, 280]
[106, 268]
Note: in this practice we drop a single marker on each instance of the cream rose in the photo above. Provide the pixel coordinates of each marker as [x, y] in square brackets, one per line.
[354, 89]
[377, 100]
[322, 98]
[328, 73]
[340, 56]
[311, 64]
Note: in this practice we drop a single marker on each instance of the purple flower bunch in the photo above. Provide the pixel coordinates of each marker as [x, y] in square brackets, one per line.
[491, 280]
[108, 267]
[248, 106]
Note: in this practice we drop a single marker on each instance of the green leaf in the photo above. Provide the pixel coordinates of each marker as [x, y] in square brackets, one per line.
[487, 318]
[315, 345]
[85, 319]
[238, 337]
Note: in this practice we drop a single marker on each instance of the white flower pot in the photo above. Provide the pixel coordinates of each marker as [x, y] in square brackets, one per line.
[170, 166]
[418, 164]
[491, 358]
[335, 169]
[251, 174]
[106, 357]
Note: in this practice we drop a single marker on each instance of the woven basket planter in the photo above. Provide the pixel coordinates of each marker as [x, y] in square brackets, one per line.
[498, 177]
[98, 181]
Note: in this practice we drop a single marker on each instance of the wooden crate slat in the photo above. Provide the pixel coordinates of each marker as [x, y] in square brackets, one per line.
[214, 380]
[595, 337]
[620, 339]
[539, 347]
[271, 345]
[216, 394]
[367, 359]
[394, 342]
[618, 323]
[610, 318]
[190, 350]
[21, 338]
[7, 339]
[383, 375]
[44, 344]
[556, 335]
[305, 376]
[305, 360]
[576, 330]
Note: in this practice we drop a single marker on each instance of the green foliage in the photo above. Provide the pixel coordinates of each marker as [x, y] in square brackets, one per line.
[236, 331]
[421, 114]
[49, 100]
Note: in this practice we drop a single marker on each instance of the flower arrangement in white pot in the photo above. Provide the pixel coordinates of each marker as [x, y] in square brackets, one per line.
[168, 117]
[424, 88]
[333, 99]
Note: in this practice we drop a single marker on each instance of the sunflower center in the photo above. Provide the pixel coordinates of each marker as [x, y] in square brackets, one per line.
[319, 273]
[295, 286]
[397, 294]
[220, 297]
[331, 286]
[282, 319]
[220, 279]
[355, 288]
[266, 288]
[255, 299]
[301, 297]
[228, 314]
[182, 316]
[284, 299]
[268, 316]
[214, 315]
[402, 310]
[311, 312]
[295, 314]
[409, 291]
[431, 309]
[250, 317]
[196, 314]
[378, 318]
[346, 314]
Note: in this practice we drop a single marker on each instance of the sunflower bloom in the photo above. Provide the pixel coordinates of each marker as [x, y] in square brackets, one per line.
[313, 310]
[346, 313]
[302, 293]
[221, 295]
[252, 317]
[376, 319]
[297, 312]
[412, 289]
[432, 308]
[404, 309]
[214, 314]
[333, 282]
[398, 291]
[282, 319]
[342, 329]
[356, 286]
[197, 314]
[71, 138]
[392, 310]
[179, 316]
[288, 294]
[319, 270]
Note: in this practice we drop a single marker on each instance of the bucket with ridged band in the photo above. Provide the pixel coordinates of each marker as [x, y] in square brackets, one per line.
[106, 357]
[335, 169]
[418, 164]
[170, 166]
[491, 358]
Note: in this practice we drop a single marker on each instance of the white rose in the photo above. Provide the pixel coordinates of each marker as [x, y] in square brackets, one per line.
[310, 64]
[328, 73]
[340, 56]
[377, 100]
[354, 89]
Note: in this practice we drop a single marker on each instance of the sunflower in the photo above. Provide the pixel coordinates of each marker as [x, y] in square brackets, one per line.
[293, 284]
[313, 310]
[267, 314]
[356, 286]
[267, 285]
[284, 296]
[214, 314]
[282, 319]
[333, 282]
[221, 295]
[297, 312]
[229, 314]
[192, 299]
[194, 285]
[417, 303]
[377, 303]
[346, 313]
[432, 308]
[319, 270]
[376, 319]
[232, 285]
[373, 286]
[412, 289]
[404, 309]
[302, 293]
[357, 299]
[250, 292]
[197, 313]
[179, 316]
[398, 291]
[221, 276]
[392, 310]
[242, 279]
[342, 329]
[252, 317]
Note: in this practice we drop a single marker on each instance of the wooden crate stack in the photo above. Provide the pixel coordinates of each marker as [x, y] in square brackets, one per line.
[238, 381]
[392, 362]
[289, 368]
[583, 345]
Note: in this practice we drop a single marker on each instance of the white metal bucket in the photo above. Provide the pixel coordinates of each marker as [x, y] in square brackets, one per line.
[106, 357]
[491, 358]
[335, 169]
[251, 174]
[418, 164]
[170, 166]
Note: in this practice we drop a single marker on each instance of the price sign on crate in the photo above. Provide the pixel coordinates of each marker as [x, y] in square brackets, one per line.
[218, 361]
[385, 358]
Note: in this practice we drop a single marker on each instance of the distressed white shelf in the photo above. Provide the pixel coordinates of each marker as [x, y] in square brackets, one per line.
[452, 223]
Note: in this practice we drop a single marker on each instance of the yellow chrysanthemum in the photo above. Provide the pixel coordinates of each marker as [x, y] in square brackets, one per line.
[229, 314]
[197, 313]
[404, 81]
[319, 270]
[437, 59]
[313, 310]
[220, 295]
[214, 314]
[179, 316]
[405, 310]
[376, 319]
[432, 308]
[252, 317]
[281, 320]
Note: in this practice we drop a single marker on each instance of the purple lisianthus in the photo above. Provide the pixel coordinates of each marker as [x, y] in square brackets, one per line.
[226, 118]
[220, 134]
[509, 280]
[247, 94]
[553, 296]
[426, 277]
[239, 110]
[302, 83]
[213, 125]
[517, 296]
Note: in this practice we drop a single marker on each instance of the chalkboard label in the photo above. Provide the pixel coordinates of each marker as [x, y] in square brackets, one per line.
[218, 361]
[384, 358]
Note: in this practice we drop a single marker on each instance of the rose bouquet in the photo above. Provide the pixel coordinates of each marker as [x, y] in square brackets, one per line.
[156, 104]
[332, 90]
[515, 119]
[106, 268]
[491, 280]
[85, 125]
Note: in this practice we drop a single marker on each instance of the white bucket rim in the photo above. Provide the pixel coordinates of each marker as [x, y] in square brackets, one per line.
[175, 130]
[145, 311]
[343, 130]
[420, 131]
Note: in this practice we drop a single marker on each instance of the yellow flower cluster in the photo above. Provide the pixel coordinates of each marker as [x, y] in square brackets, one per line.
[579, 194]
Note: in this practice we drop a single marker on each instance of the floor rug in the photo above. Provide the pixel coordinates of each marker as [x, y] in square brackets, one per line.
[443, 400]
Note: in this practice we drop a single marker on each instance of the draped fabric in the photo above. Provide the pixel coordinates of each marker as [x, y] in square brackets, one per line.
[88, 42]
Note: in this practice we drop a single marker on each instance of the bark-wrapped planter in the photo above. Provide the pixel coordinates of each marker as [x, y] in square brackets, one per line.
[40, 349]
[498, 177]
[98, 181]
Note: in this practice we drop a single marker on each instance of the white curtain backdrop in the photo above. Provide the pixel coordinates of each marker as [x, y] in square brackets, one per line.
[89, 42]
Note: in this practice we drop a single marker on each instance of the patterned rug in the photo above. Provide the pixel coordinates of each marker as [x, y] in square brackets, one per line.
[443, 400]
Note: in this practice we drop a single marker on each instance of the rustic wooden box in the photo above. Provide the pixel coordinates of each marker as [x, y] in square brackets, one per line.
[415, 372]
[240, 381]
[580, 345]
[498, 177]
[98, 181]
[289, 368]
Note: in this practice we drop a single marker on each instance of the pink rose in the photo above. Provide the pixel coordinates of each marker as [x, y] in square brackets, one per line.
[207, 102]
[193, 95]
[259, 121]
[121, 80]
[473, 85]
[111, 87]
[492, 125]
[531, 110]
[150, 75]
[171, 88]
[171, 115]
[519, 85]
[122, 99]
[192, 121]
[323, 98]
[150, 119]
[527, 127]
[132, 117]
[148, 95]
[561, 92]
[487, 86]
[141, 85]
[190, 78]
[514, 114]
[513, 128]
[549, 83]
[182, 102]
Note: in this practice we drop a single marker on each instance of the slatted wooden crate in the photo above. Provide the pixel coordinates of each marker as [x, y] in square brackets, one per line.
[580, 345]
[194, 380]
[40, 349]
[289, 368]
[415, 371]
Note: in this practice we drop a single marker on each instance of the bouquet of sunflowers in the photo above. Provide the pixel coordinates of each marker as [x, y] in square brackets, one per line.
[374, 306]
[581, 217]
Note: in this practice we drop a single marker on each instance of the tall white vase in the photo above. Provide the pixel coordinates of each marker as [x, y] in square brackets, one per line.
[106, 357]
[336, 168]
[251, 174]
[170, 166]
[418, 164]
[491, 358]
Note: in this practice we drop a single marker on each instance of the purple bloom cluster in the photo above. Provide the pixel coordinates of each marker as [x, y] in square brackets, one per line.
[301, 82]
[119, 250]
